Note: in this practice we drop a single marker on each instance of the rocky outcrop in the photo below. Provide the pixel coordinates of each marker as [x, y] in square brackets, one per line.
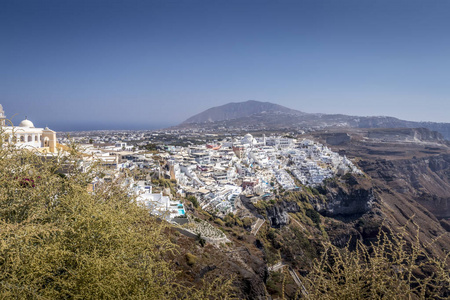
[348, 202]
[350, 196]
[278, 213]
[353, 197]
[338, 139]
[343, 235]
[445, 224]
[277, 216]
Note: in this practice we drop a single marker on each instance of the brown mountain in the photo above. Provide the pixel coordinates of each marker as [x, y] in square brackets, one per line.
[232, 111]
[256, 115]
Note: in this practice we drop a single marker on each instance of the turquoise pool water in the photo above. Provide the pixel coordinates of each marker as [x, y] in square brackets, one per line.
[181, 211]
[180, 205]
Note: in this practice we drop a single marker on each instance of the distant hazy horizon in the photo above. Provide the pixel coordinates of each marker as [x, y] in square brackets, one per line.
[107, 126]
[72, 64]
[92, 126]
[62, 125]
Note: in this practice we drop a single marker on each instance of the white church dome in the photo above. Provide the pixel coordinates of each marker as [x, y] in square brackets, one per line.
[26, 123]
[248, 139]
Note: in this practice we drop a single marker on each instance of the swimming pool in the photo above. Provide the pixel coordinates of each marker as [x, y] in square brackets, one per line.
[181, 212]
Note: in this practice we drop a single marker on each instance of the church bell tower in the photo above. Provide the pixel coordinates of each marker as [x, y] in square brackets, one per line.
[2, 116]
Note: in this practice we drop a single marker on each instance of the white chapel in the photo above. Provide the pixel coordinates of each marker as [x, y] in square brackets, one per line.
[25, 135]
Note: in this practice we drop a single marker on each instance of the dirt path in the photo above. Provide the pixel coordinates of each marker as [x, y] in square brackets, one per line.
[258, 225]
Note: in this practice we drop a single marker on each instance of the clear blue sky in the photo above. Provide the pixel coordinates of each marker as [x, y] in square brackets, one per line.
[74, 64]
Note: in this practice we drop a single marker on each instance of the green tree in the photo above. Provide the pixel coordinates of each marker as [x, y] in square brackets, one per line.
[193, 200]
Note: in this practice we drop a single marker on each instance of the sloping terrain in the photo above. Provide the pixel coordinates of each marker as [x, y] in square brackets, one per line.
[412, 167]
[406, 182]
[256, 115]
[412, 180]
[232, 111]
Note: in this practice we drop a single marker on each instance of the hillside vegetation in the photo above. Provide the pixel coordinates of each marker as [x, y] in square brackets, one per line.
[59, 241]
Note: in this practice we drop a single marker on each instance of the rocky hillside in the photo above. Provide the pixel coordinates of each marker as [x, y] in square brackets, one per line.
[425, 180]
[415, 163]
[412, 179]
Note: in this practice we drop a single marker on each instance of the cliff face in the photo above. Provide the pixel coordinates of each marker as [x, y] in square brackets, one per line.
[411, 181]
[337, 138]
[426, 180]
[403, 182]
[347, 198]
[405, 134]
[353, 198]
[278, 213]
[405, 188]
[355, 202]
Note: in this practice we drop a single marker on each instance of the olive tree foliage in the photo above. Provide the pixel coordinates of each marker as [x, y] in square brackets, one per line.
[60, 241]
[391, 268]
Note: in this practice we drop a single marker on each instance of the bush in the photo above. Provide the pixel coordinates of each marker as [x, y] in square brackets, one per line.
[247, 222]
[219, 222]
[315, 191]
[72, 243]
[191, 259]
[313, 215]
[60, 241]
[193, 200]
[229, 220]
[389, 269]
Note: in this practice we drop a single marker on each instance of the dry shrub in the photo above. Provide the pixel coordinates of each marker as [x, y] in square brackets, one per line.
[191, 259]
[59, 241]
[391, 268]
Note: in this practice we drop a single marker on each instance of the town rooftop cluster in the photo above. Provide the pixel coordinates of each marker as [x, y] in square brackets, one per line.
[219, 172]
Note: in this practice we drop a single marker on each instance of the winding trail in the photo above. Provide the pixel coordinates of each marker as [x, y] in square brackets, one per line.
[258, 225]
[276, 267]
[298, 223]
[298, 282]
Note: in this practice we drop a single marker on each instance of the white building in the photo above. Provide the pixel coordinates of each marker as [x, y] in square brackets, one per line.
[25, 135]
